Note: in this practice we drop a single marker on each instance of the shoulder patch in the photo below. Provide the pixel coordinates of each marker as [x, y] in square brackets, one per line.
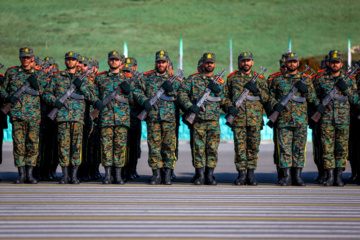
[222, 81]
[100, 73]
[261, 76]
[12, 67]
[57, 72]
[320, 75]
[274, 74]
[194, 74]
[232, 73]
[129, 75]
[148, 72]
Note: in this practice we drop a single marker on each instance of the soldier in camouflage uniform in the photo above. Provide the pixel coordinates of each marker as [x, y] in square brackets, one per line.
[70, 118]
[336, 119]
[24, 113]
[206, 129]
[3, 120]
[160, 122]
[248, 122]
[292, 124]
[114, 117]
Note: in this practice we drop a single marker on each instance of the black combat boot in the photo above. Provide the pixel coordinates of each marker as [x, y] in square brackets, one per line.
[323, 176]
[297, 178]
[250, 179]
[107, 179]
[286, 181]
[338, 177]
[74, 179]
[330, 178]
[209, 176]
[167, 176]
[200, 178]
[118, 178]
[241, 180]
[29, 175]
[65, 176]
[22, 175]
[173, 176]
[156, 177]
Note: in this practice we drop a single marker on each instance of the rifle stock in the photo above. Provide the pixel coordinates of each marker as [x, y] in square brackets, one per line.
[94, 113]
[273, 117]
[190, 118]
[229, 120]
[53, 113]
[6, 108]
[316, 117]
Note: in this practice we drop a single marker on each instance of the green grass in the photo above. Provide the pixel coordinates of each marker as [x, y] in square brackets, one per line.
[94, 28]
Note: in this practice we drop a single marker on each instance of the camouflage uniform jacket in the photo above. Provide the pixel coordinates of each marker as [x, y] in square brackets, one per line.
[148, 85]
[118, 114]
[340, 113]
[28, 108]
[59, 84]
[267, 106]
[253, 114]
[193, 88]
[297, 114]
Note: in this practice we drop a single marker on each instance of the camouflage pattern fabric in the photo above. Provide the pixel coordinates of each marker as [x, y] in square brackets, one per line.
[161, 144]
[206, 137]
[25, 143]
[70, 136]
[113, 141]
[292, 143]
[246, 141]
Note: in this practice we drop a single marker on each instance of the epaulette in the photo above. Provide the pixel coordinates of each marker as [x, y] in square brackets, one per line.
[100, 73]
[358, 72]
[320, 75]
[261, 76]
[274, 74]
[12, 67]
[129, 75]
[222, 81]
[194, 74]
[232, 73]
[38, 69]
[57, 72]
[148, 72]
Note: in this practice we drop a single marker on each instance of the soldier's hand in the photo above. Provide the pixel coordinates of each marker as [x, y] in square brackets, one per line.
[341, 85]
[233, 111]
[278, 107]
[167, 86]
[301, 87]
[147, 106]
[58, 104]
[320, 108]
[77, 82]
[33, 82]
[125, 87]
[195, 109]
[252, 87]
[99, 105]
[213, 87]
[11, 99]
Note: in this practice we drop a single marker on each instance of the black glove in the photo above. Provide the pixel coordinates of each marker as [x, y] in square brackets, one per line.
[125, 87]
[147, 106]
[167, 86]
[33, 82]
[341, 85]
[77, 82]
[233, 111]
[58, 104]
[195, 109]
[301, 87]
[252, 87]
[320, 108]
[278, 107]
[99, 105]
[12, 99]
[213, 87]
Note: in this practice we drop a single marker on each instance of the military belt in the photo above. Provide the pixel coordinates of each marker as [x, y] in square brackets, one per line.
[77, 96]
[167, 98]
[252, 98]
[32, 92]
[341, 98]
[298, 99]
[121, 99]
[213, 99]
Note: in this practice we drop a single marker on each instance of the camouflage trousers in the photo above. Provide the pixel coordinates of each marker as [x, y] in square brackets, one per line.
[162, 143]
[292, 143]
[317, 147]
[246, 143]
[134, 144]
[113, 146]
[25, 142]
[206, 139]
[335, 141]
[70, 135]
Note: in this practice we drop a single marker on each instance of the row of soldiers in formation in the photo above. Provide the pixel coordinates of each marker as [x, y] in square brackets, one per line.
[109, 106]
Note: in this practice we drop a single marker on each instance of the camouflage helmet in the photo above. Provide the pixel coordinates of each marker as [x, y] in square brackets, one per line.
[245, 55]
[209, 57]
[291, 56]
[335, 55]
[162, 56]
[72, 55]
[51, 60]
[26, 52]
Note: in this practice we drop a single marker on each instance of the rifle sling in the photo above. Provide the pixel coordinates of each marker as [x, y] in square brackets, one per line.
[252, 98]
[341, 98]
[77, 96]
[213, 99]
[167, 98]
[121, 99]
[32, 92]
[298, 99]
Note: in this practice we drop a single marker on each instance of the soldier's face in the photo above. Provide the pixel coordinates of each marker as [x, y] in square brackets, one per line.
[114, 63]
[292, 65]
[79, 66]
[26, 61]
[85, 68]
[71, 63]
[161, 66]
[336, 66]
[134, 68]
[246, 64]
[209, 66]
[283, 68]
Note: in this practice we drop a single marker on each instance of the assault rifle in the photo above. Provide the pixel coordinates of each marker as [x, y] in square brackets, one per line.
[159, 93]
[239, 103]
[95, 113]
[190, 118]
[273, 117]
[66, 95]
[317, 115]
